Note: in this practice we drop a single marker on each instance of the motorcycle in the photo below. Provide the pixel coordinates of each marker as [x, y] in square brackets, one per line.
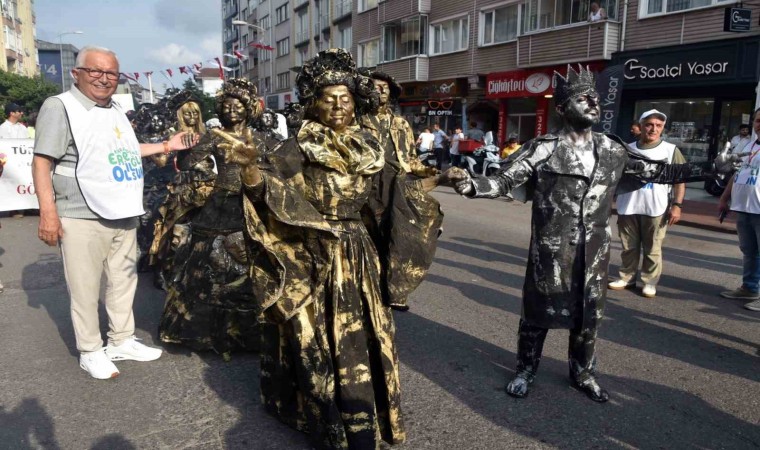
[483, 161]
[427, 157]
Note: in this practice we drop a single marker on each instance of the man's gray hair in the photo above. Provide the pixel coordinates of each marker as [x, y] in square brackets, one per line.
[91, 48]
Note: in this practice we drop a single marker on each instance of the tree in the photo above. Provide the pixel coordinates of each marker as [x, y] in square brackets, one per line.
[207, 102]
[29, 92]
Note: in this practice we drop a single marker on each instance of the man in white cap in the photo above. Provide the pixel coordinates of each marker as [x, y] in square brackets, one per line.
[644, 214]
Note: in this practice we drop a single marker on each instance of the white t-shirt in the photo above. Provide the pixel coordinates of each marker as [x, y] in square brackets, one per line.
[738, 143]
[426, 141]
[10, 130]
[745, 194]
[454, 148]
[652, 198]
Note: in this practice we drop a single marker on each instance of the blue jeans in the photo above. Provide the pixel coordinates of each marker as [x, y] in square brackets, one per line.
[748, 229]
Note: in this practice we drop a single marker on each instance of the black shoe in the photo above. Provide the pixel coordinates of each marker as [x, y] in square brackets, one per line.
[400, 307]
[592, 389]
[520, 385]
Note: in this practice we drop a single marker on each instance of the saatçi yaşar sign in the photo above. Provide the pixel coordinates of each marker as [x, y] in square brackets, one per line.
[527, 83]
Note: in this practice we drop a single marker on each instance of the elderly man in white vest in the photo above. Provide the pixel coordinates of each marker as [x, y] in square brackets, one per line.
[644, 214]
[90, 205]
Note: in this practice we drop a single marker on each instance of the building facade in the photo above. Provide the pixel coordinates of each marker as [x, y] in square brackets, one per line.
[18, 37]
[281, 35]
[56, 61]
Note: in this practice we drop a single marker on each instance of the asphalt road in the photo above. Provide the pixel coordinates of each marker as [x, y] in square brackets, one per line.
[683, 369]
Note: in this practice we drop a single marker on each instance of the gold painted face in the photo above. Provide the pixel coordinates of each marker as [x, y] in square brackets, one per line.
[335, 107]
[190, 115]
[233, 111]
[384, 90]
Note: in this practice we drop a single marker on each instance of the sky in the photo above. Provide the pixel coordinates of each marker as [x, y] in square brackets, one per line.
[147, 35]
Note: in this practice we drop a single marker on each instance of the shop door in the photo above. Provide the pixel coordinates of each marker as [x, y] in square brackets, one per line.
[521, 125]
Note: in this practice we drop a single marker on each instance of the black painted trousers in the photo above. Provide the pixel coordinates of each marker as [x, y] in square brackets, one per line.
[530, 345]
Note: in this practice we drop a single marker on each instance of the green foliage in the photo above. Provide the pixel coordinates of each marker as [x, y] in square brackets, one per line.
[29, 92]
[207, 101]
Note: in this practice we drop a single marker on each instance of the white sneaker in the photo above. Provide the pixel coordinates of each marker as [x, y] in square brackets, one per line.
[98, 365]
[649, 291]
[619, 285]
[132, 350]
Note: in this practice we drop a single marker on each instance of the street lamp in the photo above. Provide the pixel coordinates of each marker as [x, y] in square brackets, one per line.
[60, 53]
[243, 23]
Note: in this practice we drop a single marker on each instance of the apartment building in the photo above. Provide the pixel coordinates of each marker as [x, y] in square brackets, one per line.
[678, 59]
[18, 37]
[279, 37]
[483, 61]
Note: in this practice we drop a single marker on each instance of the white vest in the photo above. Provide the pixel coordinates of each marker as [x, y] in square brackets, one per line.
[652, 198]
[109, 170]
[745, 194]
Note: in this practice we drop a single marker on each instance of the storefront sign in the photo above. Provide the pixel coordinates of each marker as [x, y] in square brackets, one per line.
[542, 115]
[737, 20]
[635, 69]
[609, 85]
[440, 107]
[526, 83]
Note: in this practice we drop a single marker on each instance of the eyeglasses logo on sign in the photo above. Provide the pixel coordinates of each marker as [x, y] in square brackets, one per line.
[440, 107]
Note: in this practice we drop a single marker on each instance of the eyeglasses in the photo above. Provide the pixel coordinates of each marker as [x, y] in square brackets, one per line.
[435, 104]
[97, 73]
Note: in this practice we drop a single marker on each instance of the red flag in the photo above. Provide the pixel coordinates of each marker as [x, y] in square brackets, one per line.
[261, 46]
[169, 71]
[137, 76]
[238, 55]
[221, 70]
[183, 69]
[198, 66]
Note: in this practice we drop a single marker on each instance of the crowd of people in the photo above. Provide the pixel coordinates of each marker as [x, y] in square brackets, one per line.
[300, 247]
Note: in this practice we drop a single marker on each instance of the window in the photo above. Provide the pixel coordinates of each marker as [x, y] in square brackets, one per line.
[499, 25]
[689, 124]
[265, 23]
[367, 4]
[368, 53]
[283, 47]
[302, 27]
[344, 37]
[281, 14]
[404, 39]
[654, 7]
[450, 36]
[302, 55]
[544, 14]
[342, 8]
[283, 80]
[265, 55]
[266, 84]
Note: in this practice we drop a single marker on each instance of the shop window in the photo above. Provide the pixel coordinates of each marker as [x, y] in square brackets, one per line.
[656, 7]
[368, 53]
[545, 14]
[689, 124]
[450, 36]
[404, 39]
[499, 25]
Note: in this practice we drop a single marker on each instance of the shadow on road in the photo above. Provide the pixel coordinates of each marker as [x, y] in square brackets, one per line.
[28, 426]
[640, 414]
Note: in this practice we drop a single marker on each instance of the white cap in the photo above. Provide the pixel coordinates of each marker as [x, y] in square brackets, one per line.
[653, 112]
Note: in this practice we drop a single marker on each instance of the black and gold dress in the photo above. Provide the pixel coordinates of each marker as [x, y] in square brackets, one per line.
[210, 303]
[328, 360]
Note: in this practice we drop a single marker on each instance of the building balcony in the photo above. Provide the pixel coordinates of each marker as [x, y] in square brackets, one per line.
[299, 3]
[342, 9]
[575, 43]
[232, 11]
[233, 36]
[13, 55]
[414, 68]
[301, 37]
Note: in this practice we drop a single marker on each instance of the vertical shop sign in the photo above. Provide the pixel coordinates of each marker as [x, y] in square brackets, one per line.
[502, 137]
[542, 115]
[609, 85]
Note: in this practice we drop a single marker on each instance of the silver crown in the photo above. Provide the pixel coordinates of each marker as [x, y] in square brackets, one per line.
[574, 83]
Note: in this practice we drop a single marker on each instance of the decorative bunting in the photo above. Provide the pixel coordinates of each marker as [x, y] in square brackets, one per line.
[169, 71]
[183, 69]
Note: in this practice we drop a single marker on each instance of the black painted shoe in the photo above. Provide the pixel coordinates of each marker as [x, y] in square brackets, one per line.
[592, 389]
[520, 385]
